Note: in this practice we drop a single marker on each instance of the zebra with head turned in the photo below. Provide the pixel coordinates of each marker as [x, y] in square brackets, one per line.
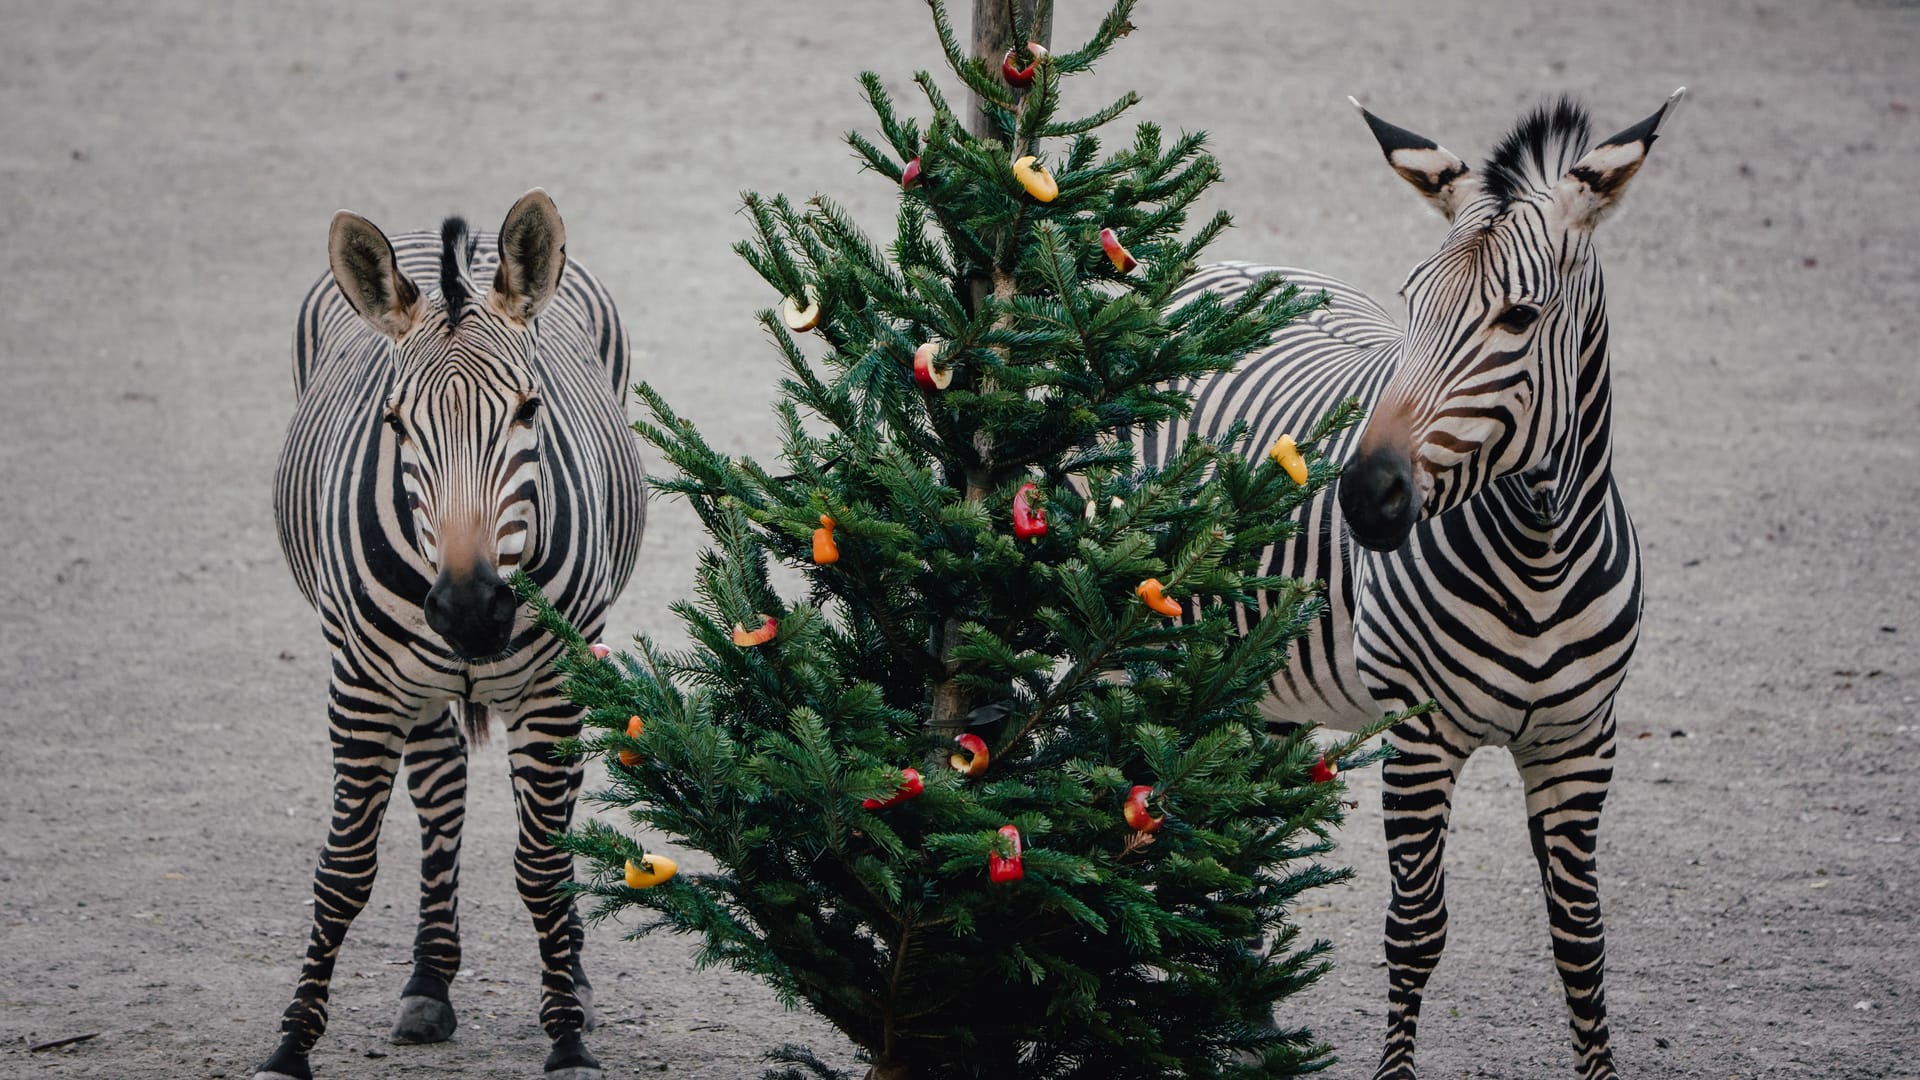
[1478, 554]
[441, 441]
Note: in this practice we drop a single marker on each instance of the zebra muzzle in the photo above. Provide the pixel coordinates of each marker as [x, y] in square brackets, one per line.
[474, 615]
[1379, 498]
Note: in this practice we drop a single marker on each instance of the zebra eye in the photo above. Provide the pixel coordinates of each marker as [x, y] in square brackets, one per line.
[524, 414]
[393, 421]
[1517, 318]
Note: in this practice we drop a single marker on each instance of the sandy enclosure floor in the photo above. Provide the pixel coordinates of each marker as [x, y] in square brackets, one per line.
[167, 171]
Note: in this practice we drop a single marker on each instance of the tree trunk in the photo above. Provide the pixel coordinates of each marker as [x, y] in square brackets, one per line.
[992, 37]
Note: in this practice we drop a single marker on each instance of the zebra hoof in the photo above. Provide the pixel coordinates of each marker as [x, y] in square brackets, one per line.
[286, 1063]
[423, 1020]
[571, 1061]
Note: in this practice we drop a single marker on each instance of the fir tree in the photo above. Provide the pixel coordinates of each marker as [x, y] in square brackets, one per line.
[1115, 940]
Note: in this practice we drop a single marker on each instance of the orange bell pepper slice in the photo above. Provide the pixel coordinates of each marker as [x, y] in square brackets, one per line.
[1287, 456]
[650, 871]
[635, 726]
[1151, 591]
[825, 551]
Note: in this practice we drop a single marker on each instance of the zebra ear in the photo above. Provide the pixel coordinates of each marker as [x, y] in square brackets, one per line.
[364, 268]
[533, 254]
[1432, 169]
[1595, 183]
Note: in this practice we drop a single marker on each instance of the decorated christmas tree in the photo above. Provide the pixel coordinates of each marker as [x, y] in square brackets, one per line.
[995, 797]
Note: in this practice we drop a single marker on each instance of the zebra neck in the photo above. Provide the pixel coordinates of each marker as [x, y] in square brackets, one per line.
[1554, 499]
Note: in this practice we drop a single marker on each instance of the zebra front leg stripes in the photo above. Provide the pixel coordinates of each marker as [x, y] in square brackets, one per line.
[437, 781]
[1417, 803]
[1566, 788]
[544, 789]
[367, 735]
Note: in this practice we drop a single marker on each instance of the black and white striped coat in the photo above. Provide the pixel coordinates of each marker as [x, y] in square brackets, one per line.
[441, 440]
[1478, 553]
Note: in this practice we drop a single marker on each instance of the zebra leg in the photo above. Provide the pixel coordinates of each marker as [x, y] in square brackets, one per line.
[1566, 789]
[367, 735]
[582, 989]
[544, 789]
[437, 781]
[1417, 803]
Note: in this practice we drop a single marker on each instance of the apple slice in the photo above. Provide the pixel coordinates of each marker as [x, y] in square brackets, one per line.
[1117, 252]
[1037, 181]
[1027, 522]
[1004, 868]
[910, 786]
[1022, 76]
[1323, 771]
[974, 761]
[599, 651]
[929, 375]
[910, 179]
[801, 318]
[1135, 810]
[747, 639]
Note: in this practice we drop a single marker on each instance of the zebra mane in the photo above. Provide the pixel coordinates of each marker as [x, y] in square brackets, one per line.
[456, 260]
[1538, 151]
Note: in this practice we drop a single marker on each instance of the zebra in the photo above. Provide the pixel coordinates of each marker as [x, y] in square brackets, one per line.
[1478, 553]
[442, 440]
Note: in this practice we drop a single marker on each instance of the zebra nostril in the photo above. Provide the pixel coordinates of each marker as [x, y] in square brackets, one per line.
[1393, 496]
[504, 604]
[436, 608]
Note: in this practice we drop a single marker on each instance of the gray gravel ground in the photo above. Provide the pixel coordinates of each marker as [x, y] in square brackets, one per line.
[167, 171]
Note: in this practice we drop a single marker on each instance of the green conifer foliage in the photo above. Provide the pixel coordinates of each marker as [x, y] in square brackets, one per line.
[1118, 952]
